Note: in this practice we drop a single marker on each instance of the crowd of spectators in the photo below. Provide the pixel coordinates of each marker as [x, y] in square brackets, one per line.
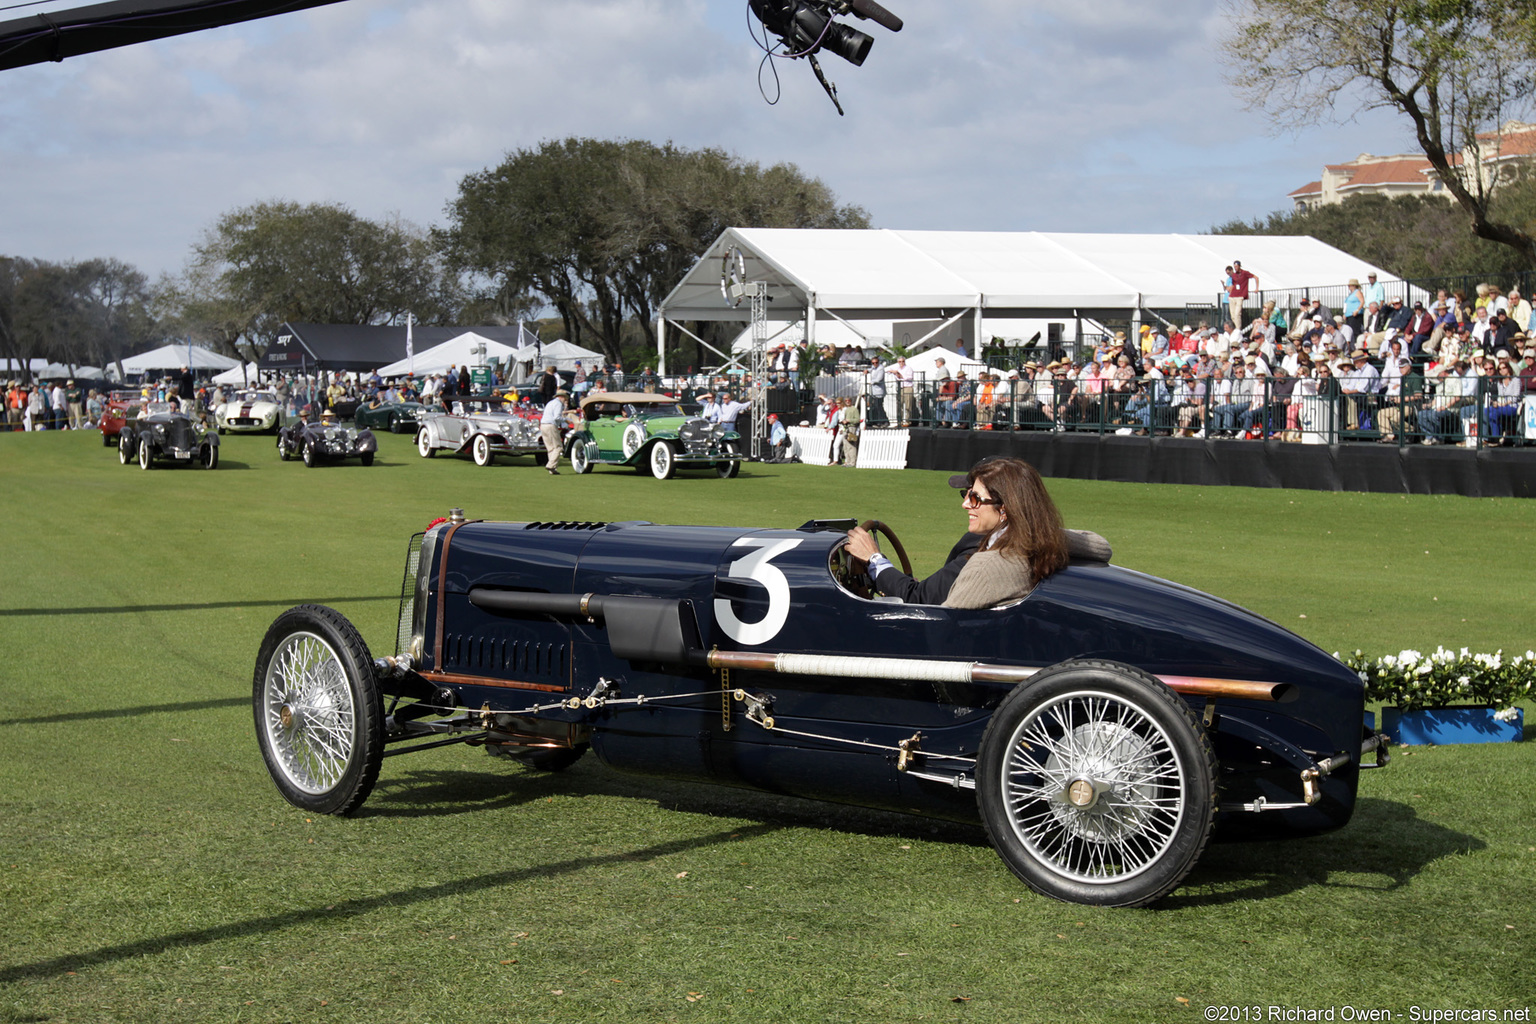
[1379, 369]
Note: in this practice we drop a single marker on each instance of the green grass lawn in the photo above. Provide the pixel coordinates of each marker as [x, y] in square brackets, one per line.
[151, 872]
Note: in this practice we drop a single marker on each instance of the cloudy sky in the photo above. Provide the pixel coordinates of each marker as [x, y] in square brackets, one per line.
[982, 114]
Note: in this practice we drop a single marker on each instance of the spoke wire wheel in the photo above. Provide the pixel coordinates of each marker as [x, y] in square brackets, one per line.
[482, 450]
[146, 454]
[663, 464]
[1097, 785]
[125, 452]
[310, 458]
[319, 716]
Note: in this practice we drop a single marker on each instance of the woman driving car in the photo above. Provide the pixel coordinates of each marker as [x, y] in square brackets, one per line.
[1016, 540]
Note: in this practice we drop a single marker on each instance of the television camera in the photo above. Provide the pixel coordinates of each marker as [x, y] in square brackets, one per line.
[806, 27]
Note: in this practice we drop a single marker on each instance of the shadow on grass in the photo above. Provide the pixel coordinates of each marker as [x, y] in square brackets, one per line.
[143, 709]
[131, 609]
[1384, 839]
[473, 887]
[1384, 846]
[436, 792]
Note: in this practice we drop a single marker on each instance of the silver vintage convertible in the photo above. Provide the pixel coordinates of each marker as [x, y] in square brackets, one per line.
[483, 430]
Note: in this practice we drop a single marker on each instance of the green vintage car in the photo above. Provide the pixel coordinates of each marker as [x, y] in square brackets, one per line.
[627, 428]
[395, 417]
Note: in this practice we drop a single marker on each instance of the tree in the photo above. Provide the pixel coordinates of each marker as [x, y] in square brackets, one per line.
[95, 311]
[602, 230]
[1417, 237]
[1457, 69]
[273, 262]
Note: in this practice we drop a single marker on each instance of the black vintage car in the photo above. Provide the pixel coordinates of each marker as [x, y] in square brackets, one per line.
[160, 432]
[326, 441]
[1102, 728]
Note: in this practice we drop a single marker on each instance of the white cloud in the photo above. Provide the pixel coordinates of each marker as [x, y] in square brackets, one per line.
[989, 114]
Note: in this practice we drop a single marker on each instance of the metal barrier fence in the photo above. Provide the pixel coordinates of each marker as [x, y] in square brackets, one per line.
[1470, 411]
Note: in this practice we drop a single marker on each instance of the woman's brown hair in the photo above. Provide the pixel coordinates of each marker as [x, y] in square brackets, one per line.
[1034, 533]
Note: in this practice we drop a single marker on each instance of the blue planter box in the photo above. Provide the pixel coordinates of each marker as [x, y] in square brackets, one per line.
[1450, 725]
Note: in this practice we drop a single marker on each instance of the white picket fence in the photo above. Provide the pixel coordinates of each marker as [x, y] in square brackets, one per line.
[883, 449]
[811, 445]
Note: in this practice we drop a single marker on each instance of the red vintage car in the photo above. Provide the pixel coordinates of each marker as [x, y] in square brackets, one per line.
[119, 408]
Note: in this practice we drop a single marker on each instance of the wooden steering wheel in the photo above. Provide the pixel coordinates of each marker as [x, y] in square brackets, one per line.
[878, 528]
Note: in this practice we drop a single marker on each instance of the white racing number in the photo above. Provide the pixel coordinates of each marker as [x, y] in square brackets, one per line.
[759, 568]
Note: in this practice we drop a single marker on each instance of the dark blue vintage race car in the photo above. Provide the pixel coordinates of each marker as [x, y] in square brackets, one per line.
[1101, 729]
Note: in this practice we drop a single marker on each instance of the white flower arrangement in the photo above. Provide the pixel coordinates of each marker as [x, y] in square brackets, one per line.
[1412, 680]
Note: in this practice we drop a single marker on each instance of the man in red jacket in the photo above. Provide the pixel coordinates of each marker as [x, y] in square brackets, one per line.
[1238, 283]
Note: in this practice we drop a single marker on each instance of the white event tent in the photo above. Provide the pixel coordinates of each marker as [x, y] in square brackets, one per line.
[453, 352]
[562, 354]
[248, 374]
[818, 275]
[174, 357]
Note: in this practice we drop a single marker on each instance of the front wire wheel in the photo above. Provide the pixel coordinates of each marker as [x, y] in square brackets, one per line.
[580, 464]
[319, 715]
[1097, 785]
[728, 469]
[663, 462]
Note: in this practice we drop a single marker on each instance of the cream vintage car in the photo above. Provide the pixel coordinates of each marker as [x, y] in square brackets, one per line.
[251, 412]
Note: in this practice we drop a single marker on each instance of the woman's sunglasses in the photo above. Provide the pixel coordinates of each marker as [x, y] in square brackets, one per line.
[970, 497]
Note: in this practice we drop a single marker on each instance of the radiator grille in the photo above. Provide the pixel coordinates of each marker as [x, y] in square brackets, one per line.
[408, 595]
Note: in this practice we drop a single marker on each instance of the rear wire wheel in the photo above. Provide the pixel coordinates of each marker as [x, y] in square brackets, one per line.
[1097, 784]
[319, 715]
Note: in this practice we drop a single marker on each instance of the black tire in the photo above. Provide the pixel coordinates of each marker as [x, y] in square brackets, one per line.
[208, 456]
[557, 760]
[366, 458]
[310, 458]
[480, 449]
[127, 451]
[106, 439]
[1097, 784]
[319, 716]
[728, 470]
[146, 454]
[663, 461]
[282, 448]
[394, 426]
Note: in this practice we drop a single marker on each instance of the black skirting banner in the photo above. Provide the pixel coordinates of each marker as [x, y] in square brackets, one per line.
[1389, 469]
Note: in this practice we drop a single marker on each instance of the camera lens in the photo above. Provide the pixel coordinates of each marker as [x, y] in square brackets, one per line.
[848, 43]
